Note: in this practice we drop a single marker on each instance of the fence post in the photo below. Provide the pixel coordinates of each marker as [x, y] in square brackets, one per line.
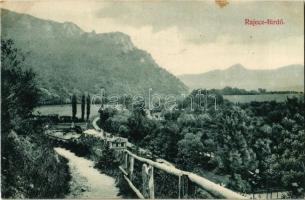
[191, 188]
[151, 183]
[126, 161]
[148, 187]
[184, 186]
[131, 167]
[187, 187]
[179, 187]
[144, 180]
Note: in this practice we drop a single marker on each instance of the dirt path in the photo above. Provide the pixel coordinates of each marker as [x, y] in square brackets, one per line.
[87, 182]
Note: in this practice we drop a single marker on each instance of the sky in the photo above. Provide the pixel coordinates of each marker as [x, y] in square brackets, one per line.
[188, 37]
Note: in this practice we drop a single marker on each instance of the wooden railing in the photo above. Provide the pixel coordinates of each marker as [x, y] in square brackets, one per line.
[184, 178]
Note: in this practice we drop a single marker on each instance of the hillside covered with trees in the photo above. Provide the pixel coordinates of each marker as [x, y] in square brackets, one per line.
[68, 60]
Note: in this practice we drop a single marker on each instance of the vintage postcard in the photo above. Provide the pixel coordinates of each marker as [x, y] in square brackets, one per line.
[152, 99]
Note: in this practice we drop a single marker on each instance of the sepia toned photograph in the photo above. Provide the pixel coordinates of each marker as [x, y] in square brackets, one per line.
[152, 99]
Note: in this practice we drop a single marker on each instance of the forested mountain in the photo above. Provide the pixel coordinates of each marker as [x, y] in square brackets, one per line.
[69, 60]
[284, 78]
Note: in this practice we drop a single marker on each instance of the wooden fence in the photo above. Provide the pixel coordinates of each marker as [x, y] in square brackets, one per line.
[185, 179]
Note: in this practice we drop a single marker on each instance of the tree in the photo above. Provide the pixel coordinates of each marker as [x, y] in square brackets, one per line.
[163, 139]
[19, 91]
[83, 106]
[29, 167]
[74, 107]
[107, 161]
[88, 106]
[138, 124]
[190, 151]
[261, 90]
[234, 154]
[106, 114]
[185, 120]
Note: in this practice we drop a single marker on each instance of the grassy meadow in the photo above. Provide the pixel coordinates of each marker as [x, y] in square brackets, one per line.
[64, 110]
[260, 97]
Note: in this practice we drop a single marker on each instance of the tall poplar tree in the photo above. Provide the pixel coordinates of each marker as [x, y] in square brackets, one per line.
[83, 106]
[88, 106]
[74, 107]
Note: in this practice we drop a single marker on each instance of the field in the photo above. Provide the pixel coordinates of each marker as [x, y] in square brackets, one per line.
[67, 110]
[260, 98]
[64, 110]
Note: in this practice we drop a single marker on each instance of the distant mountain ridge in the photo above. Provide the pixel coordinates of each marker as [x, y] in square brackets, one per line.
[284, 78]
[69, 60]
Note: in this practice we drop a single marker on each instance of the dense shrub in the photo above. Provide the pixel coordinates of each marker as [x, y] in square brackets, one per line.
[107, 162]
[32, 170]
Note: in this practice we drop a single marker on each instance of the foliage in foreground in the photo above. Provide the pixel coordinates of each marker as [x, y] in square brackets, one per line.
[29, 166]
[30, 170]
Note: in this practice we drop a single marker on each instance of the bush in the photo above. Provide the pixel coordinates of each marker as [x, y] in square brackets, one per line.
[32, 170]
[107, 163]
